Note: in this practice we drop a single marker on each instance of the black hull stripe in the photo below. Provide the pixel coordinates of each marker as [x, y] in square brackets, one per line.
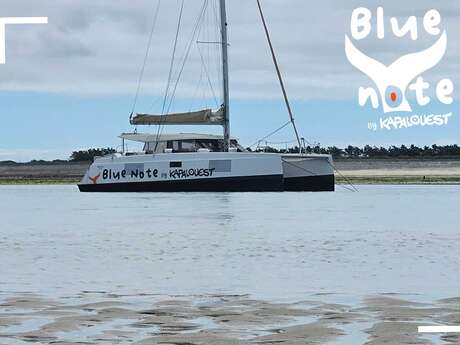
[318, 183]
[271, 183]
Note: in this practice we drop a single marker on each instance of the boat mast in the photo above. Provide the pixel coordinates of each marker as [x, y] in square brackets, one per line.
[226, 105]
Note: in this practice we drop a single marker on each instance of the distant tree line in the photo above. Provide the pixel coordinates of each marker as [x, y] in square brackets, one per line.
[403, 151]
[88, 155]
[368, 151]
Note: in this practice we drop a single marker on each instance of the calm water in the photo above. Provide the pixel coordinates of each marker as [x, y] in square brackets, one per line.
[384, 239]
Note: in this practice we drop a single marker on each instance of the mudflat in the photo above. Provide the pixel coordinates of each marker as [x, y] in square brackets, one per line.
[99, 317]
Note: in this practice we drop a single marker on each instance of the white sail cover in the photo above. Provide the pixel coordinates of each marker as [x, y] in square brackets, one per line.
[201, 117]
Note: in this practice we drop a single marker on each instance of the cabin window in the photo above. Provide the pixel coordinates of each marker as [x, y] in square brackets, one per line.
[187, 146]
[190, 145]
[154, 147]
[210, 144]
[176, 146]
[175, 164]
[182, 145]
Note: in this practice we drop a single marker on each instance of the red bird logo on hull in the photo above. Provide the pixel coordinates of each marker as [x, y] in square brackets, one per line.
[95, 178]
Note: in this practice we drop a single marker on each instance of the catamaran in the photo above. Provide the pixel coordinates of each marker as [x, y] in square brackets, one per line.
[189, 162]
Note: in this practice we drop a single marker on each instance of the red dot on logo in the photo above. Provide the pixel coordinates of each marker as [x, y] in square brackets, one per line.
[393, 96]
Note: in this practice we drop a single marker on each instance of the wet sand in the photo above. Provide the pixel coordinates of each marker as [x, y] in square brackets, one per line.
[102, 318]
[399, 167]
[46, 170]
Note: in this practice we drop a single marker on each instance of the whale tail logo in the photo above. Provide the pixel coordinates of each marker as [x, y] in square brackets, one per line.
[94, 179]
[392, 81]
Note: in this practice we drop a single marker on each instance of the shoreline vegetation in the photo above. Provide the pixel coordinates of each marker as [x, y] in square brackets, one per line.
[374, 152]
[368, 165]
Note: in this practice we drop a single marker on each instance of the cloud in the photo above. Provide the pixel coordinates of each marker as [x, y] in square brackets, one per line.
[26, 155]
[96, 47]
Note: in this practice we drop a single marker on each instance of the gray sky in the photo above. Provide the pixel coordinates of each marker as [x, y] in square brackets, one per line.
[76, 76]
[96, 47]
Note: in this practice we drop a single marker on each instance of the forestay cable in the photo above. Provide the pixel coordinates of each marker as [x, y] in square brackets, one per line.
[280, 77]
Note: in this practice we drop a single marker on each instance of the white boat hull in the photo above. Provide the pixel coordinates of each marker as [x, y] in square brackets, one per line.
[209, 172]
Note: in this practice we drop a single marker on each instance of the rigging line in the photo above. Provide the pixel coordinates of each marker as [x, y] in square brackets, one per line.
[205, 42]
[209, 51]
[272, 133]
[218, 48]
[299, 167]
[315, 174]
[208, 77]
[195, 30]
[197, 88]
[347, 188]
[187, 54]
[171, 67]
[343, 176]
[281, 142]
[147, 53]
[275, 61]
[201, 94]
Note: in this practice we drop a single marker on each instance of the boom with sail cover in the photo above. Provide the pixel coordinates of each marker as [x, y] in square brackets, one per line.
[202, 117]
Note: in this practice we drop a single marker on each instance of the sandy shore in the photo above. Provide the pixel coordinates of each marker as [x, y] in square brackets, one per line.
[30, 171]
[393, 167]
[100, 318]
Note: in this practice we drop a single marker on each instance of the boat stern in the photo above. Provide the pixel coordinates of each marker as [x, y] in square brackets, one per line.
[313, 173]
[91, 178]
